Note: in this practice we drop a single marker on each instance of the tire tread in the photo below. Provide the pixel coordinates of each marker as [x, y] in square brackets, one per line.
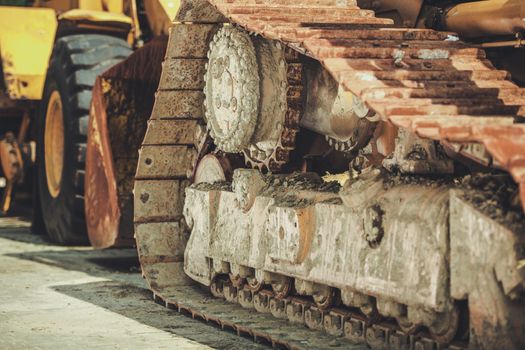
[81, 58]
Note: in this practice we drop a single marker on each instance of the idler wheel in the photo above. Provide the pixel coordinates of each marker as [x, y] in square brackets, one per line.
[232, 89]
[248, 109]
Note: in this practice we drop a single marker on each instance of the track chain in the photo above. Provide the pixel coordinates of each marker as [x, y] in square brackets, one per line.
[336, 321]
[292, 322]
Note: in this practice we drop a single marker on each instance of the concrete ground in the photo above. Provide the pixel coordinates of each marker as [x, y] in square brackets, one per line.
[54, 297]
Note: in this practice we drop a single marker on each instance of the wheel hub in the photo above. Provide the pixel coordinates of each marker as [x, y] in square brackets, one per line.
[54, 144]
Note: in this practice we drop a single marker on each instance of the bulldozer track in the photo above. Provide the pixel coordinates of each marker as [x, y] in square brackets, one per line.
[272, 326]
[262, 328]
[417, 79]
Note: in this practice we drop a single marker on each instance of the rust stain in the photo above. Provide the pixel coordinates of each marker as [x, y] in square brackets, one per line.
[101, 197]
[306, 222]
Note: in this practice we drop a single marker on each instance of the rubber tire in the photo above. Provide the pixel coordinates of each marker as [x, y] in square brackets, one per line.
[76, 61]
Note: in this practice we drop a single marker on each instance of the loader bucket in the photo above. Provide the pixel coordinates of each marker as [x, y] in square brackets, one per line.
[122, 101]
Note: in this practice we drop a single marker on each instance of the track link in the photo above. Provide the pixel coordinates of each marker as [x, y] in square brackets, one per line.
[262, 328]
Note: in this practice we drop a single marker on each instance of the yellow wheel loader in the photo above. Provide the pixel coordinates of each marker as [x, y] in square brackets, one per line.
[51, 53]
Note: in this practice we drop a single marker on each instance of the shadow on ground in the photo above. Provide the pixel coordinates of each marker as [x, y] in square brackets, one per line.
[136, 303]
[115, 264]
[20, 234]
[17, 227]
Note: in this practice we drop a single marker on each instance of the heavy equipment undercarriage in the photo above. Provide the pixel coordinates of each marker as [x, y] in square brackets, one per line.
[313, 161]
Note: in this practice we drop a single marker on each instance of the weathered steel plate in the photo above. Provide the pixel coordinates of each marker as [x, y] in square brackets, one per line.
[123, 98]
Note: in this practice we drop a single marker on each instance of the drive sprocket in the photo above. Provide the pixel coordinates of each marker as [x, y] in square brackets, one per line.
[254, 98]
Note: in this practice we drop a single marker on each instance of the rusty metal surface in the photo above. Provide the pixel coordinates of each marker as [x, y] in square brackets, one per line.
[100, 198]
[122, 101]
[402, 73]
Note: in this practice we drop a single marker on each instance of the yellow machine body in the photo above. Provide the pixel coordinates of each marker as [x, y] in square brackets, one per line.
[26, 40]
[27, 34]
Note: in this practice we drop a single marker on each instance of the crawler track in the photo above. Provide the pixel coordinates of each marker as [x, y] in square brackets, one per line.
[416, 79]
[262, 328]
[278, 332]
